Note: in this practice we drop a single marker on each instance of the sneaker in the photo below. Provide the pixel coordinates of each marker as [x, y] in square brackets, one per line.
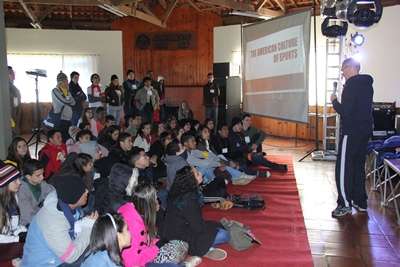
[250, 177]
[216, 254]
[341, 211]
[16, 262]
[359, 208]
[264, 174]
[241, 181]
[192, 261]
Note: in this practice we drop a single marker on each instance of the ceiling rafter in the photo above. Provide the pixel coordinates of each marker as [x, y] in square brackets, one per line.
[242, 6]
[260, 4]
[281, 5]
[163, 3]
[193, 4]
[29, 12]
[168, 13]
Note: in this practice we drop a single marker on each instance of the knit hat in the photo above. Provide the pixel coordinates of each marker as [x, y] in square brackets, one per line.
[8, 173]
[69, 188]
[61, 77]
[114, 77]
[235, 120]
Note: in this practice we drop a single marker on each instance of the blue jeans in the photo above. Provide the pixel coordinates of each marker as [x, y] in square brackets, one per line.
[116, 111]
[221, 237]
[233, 172]
[208, 174]
[76, 115]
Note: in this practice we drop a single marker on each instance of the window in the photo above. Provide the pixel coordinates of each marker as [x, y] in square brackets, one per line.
[86, 65]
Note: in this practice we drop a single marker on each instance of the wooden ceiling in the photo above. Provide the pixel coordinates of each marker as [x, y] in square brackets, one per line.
[98, 14]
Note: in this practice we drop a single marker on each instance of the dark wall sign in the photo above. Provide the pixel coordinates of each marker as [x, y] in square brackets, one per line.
[166, 41]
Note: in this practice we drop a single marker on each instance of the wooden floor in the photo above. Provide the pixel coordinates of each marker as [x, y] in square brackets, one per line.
[371, 239]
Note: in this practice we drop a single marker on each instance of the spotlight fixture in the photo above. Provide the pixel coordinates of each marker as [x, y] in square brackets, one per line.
[357, 39]
[332, 27]
[361, 13]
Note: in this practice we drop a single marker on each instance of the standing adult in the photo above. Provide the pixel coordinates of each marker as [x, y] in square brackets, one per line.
[94, 92]
[15, 101]
[63, 104]
[79, 96]
[355, 111]
[131, 85]
[147, 100]
[210, 97]
[161, 93]
[115, 99]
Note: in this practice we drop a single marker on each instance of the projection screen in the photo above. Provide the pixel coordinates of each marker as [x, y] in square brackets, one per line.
[275, 59]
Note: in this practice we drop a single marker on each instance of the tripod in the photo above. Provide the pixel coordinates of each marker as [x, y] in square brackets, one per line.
[35, 138]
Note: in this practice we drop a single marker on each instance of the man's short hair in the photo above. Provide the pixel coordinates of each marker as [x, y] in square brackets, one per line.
[210, 73]
[129, 72]
[145, 79]
[110, 118]
[123, 136]
[173, 148]
[32, 165]
[352, 62]
[73, 74]
[83, 133]
[245, 115]
[186, 137]
[52, 132]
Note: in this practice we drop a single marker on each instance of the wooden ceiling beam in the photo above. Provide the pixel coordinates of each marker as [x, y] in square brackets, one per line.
[168, 13]
[242, 6]
[260, 4]
[163, 3]
[35, 22]
[140, 15]
[60, 2]
[145, 8]
[193, 4]
[281, 5]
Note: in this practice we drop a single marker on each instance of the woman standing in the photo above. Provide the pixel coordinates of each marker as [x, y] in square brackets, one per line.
[115, 99]
[94, 92]
[63, 102]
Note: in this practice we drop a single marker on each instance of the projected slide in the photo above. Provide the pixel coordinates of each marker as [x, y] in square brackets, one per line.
[275, 82]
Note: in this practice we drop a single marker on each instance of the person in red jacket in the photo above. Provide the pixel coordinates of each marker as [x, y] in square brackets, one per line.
[53, 154]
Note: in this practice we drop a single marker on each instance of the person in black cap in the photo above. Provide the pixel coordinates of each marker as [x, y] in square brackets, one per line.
[211, 93]
[58, 235]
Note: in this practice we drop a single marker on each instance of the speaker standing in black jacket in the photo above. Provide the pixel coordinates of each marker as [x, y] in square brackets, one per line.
[355, 111]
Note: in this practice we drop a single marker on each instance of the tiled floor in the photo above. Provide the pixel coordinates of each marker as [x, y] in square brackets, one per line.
[371, 239]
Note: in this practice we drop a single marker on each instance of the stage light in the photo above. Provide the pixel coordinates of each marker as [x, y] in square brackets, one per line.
[332, 27]
[362, 15]
[357, 39]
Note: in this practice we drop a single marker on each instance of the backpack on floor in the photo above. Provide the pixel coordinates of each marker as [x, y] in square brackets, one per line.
[251, 202]
[241, 237]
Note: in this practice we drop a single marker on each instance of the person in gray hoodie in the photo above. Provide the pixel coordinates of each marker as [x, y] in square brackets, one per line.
[174, 161]
[63, 102]
[33, 190]
[58, 235]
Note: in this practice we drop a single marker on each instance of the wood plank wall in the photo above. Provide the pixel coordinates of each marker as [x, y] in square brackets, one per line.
[185, 71]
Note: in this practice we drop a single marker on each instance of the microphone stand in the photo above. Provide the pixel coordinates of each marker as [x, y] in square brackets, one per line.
[35, 138]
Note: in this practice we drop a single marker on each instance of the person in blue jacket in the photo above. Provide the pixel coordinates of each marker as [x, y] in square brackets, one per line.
[355, 110]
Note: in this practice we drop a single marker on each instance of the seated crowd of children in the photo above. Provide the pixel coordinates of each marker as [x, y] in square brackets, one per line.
[124, 196]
